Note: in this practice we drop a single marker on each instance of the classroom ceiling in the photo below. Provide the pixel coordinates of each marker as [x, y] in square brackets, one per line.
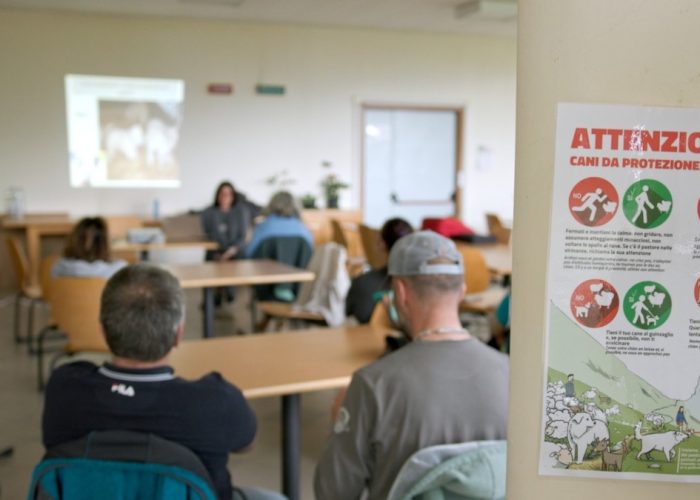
[479, 17]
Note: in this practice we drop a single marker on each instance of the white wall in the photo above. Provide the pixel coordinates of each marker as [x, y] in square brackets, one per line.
[246, 138]
[637, 52]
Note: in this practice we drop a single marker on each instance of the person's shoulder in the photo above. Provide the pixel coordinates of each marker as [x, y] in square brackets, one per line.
[208, 212]
[72, 371]
[371, 277]
[487, 354]
[213, 384]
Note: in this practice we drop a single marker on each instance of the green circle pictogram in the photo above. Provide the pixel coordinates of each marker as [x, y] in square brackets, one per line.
[647, 204]
[647, 305]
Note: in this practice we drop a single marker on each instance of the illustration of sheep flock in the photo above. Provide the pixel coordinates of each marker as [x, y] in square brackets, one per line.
[578, 433]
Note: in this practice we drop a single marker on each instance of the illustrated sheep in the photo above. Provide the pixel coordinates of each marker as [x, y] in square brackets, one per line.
[613, 410]
[558, 456]
[664, 206]
[590, 394]
[609, 207]
[583, 431]
[655, 419]
[557, 429]
[656, 298]
[604, 298]
[595, 287]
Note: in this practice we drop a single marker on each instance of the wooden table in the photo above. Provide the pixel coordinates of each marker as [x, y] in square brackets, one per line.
[144, 249]
[210, 275]
[284, 364]
[35, 227]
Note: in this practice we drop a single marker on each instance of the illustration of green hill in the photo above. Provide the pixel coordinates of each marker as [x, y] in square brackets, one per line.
[572, 350]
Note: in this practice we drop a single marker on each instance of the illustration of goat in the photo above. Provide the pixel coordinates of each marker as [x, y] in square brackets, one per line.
[615, 457]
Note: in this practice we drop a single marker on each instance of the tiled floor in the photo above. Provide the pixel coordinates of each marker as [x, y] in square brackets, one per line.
[21, 406]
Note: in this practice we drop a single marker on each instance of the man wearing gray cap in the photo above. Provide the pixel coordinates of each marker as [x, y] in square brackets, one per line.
[443, 387]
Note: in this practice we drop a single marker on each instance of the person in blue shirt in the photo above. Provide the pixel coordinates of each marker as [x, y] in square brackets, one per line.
[282, 220]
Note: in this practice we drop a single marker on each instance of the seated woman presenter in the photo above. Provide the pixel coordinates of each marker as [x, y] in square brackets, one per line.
[87, 252]
[227, 222]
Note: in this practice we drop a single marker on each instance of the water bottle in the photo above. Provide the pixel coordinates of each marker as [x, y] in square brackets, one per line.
[156, 209]
[15, 202]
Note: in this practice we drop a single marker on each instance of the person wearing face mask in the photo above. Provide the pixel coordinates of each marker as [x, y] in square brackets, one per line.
[443, 387]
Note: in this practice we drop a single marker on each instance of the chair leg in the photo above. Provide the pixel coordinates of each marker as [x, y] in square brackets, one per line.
[30, 327]
[40, 354]
[18, 300]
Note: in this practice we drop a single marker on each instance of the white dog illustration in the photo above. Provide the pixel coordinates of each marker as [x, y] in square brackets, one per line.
[663, 441]
[582, 311]
[583, 431]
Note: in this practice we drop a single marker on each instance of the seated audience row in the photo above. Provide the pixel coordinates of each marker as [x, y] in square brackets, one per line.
[444, 386]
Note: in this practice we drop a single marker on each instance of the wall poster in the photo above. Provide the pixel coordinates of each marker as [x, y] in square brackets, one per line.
[623, 302]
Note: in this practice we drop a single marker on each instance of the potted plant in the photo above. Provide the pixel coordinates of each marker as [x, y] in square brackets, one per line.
[332, 186]
[308, 201]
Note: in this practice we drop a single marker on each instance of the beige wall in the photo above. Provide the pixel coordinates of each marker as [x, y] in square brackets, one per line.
[624, 51]
[327, 72]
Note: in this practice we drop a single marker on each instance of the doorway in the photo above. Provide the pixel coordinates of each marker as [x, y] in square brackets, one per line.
[411, 160]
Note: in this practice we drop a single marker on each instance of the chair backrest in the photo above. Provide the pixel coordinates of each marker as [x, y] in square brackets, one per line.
[19, 260]
[476, 273]
[326, 294]
[497, 229]
[45, 275]
[118, 226]
[113, 465]
[380, 316]
[371, 244]
[75, 307]
[292, 250]
[475, 470]
[338, 233]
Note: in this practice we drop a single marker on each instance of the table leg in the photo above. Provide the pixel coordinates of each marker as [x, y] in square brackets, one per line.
[253, 310]
[291, 445]
[33, 254]
[208, 313]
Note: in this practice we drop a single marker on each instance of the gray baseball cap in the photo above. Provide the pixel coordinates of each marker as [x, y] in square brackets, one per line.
[424, 253]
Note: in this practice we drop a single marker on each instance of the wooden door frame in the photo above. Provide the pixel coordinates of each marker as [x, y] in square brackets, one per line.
[459, 146]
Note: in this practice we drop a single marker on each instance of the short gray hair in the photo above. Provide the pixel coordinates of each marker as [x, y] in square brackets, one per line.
[431, 286]
[282, 203]
[141, 309]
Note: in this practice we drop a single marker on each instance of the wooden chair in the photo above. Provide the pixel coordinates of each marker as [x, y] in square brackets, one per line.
[371, 244]
[481, 297]
[497, 229]
[20, 263]
[118, 229]
[282, 312]
[338, 233]
[380, 317]
[118, 226]
[356, 262]
[75, 308]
